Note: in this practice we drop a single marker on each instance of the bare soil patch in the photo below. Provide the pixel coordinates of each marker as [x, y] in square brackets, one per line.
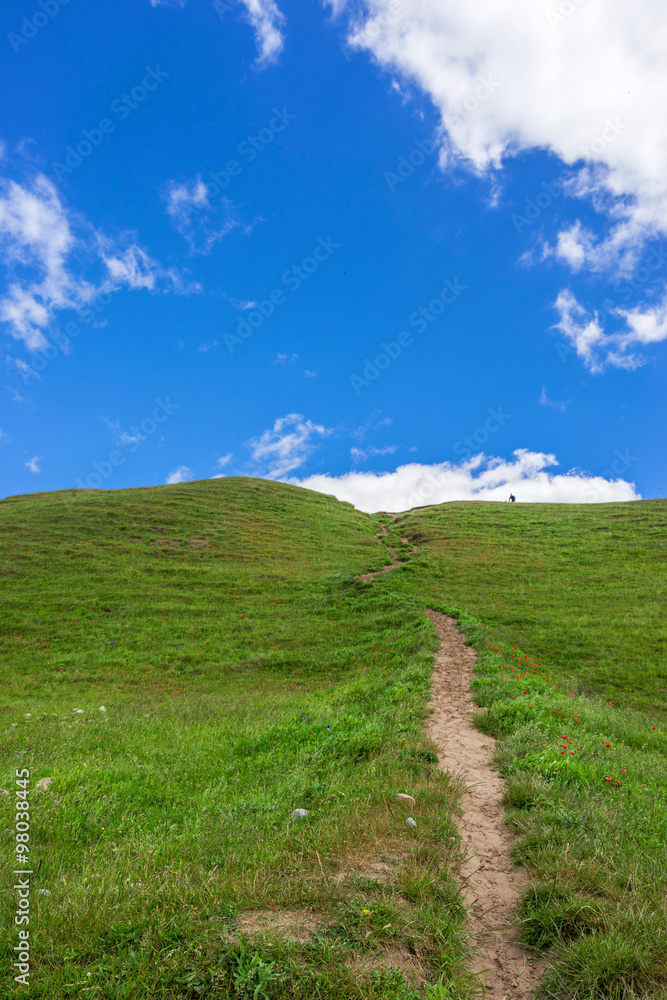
[491, 885]
[292, 925]
[396, 956]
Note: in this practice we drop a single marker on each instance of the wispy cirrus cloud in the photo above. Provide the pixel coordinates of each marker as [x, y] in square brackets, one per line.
[362, 454]
[266, 20]
[287, 445]
[48, 251]
[599, 350]
[192, 215]
[264, 16]
[551, 403]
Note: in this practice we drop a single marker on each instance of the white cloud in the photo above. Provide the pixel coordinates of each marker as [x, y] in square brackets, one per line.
[596, 83]
[2, 434]
[287, 445]
[35, 232]
[280, 359]
[33, 465]
[510, 76]
[309, 374]
[192, 214]
[121, 437]
[361, 454]
[24, 368]
[45, 249]
[266, 19]
[370, 424]
[239, 303]
[478, 478]
[545, 401]
[647, 326]
[598, 349]
[180, 475]
[224, 460]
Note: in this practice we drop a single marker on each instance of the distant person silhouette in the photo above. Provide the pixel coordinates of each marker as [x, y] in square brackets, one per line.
[512, 498]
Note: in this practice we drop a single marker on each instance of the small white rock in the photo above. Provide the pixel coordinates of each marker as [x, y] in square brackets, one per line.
[410, 821]
[408, 799]
[299, 814]
[43, 782]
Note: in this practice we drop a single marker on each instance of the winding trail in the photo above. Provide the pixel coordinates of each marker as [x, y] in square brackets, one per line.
[367, 577]
[491, 886]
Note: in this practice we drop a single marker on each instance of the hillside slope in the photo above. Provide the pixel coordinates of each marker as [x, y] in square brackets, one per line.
[189, 664]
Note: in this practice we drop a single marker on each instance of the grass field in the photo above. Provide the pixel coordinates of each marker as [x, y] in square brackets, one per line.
[165, 840]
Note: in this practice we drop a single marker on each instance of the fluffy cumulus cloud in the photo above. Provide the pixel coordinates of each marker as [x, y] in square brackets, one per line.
[478, 478]
[286, 446]
[582, 79]
[47, 250]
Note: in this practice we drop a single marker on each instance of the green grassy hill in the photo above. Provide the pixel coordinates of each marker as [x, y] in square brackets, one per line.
[189, 664]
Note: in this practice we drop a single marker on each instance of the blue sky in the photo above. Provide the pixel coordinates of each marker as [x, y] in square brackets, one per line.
[400, 253]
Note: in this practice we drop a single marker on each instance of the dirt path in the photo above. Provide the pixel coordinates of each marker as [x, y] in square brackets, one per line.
[367, 577]
[491, 885]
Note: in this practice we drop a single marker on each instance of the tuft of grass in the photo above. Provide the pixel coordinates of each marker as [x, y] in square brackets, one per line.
[552, 916]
